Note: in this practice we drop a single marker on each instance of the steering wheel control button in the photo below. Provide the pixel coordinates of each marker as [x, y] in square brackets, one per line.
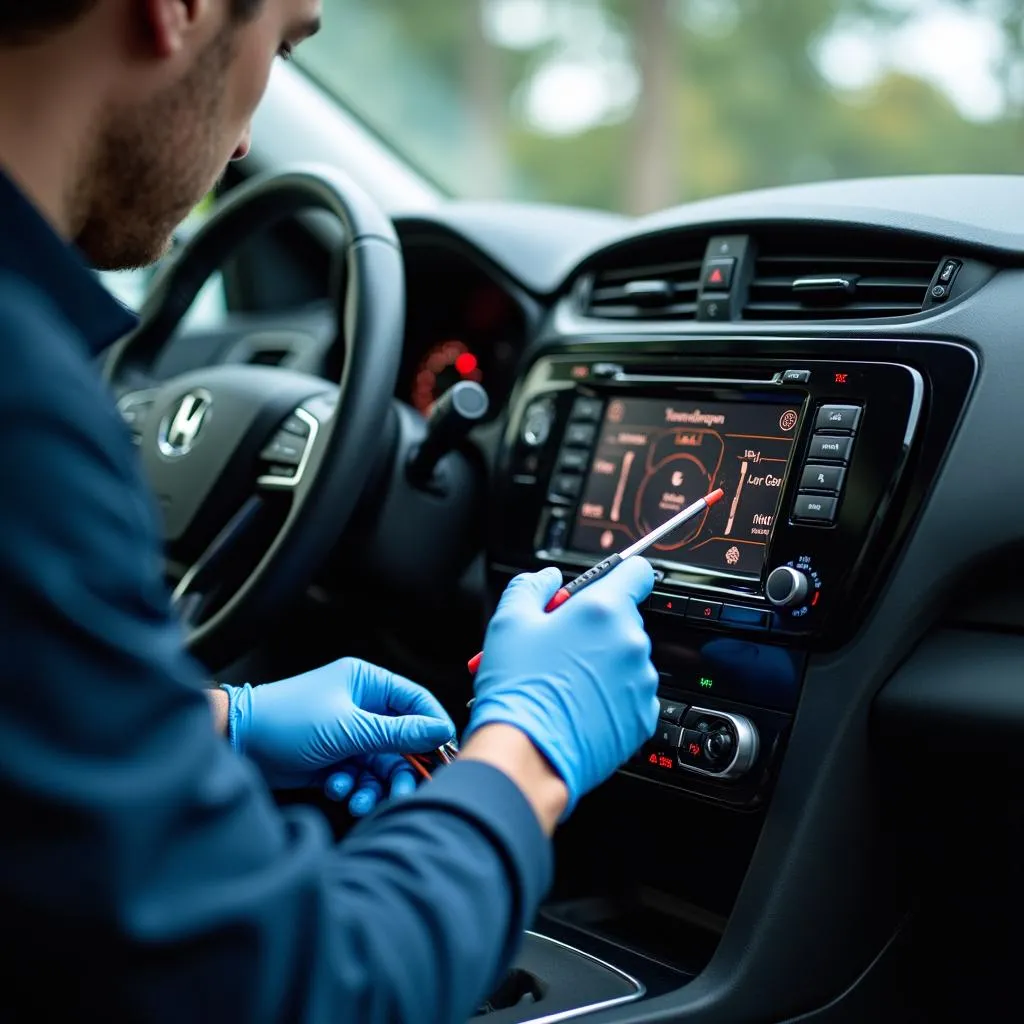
[818, 508]
[838, 417]
[587, 410]
[830, 447]
[668, 604]
[703, 611]
[796, 376]
[748, 618]
[671, 711]
[718, 274]
[537, 423]
[293, 425]
[285, 448]
[580, 435]
[827, 479]
[787, 587]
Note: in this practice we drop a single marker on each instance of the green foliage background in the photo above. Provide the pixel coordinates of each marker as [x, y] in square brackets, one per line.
[745, 104]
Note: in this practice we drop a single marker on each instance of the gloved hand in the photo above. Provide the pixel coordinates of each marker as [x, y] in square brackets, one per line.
[579, 680]
[326, 723]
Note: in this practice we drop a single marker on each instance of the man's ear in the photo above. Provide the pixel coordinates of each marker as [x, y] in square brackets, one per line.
[170, 24]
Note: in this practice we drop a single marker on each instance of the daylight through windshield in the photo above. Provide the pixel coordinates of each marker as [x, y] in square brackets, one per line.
[637, 104]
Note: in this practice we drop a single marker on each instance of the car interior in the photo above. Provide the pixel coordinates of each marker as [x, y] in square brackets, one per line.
[409, 398]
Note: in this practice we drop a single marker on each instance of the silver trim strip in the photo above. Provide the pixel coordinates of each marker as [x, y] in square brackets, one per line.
[640, 378]
[606, 1004]
[270, 479]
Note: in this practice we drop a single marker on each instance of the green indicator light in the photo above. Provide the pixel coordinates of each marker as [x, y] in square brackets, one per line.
[706, 682]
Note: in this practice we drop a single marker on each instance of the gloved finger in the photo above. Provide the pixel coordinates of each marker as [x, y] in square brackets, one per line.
[367, 795]
[404, 734]
[404, 697]
[397, 777]
[530, 592]
[339, 784]
[379, 691]
[634, 576]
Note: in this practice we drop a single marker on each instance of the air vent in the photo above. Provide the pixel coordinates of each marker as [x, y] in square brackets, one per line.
[839, 276]
[657, 280]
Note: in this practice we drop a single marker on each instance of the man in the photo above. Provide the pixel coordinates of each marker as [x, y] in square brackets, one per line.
[145, 871]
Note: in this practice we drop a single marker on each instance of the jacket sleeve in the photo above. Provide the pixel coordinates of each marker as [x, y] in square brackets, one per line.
[144, 868]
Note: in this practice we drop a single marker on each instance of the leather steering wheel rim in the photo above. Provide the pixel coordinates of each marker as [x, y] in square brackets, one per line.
[370, 314]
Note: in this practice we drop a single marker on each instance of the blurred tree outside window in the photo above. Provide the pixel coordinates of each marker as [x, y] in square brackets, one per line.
[634, 105]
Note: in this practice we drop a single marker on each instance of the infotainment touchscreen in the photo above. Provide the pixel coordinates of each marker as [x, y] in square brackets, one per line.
[655, 456]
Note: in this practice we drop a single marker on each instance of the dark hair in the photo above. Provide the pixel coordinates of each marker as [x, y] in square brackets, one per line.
[25, 20]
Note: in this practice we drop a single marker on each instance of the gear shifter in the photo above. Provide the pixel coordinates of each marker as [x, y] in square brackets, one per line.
[454, 414]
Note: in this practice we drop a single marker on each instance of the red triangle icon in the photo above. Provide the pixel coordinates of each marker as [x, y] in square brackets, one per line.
[716, 276]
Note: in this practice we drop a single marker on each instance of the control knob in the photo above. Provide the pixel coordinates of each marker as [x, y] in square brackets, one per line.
[787, 587]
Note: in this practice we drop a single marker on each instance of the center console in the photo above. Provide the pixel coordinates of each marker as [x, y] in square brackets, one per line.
[813, 456]
[825, 449]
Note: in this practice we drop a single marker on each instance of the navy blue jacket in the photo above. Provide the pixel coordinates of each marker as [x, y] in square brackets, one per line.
[145, 870]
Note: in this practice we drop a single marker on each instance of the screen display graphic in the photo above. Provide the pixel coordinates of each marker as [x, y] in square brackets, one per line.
[656, 456]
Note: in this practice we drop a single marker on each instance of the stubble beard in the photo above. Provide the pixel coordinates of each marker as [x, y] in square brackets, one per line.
[152, 163]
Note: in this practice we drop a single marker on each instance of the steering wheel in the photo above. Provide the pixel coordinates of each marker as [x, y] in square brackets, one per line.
[261, 467]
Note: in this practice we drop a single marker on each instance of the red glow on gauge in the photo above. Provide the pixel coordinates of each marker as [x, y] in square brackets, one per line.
[466, 363]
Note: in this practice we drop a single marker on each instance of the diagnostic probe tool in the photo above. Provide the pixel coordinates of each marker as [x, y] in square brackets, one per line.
[604, 567]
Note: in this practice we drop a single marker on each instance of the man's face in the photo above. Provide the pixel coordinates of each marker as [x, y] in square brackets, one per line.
[157, 156]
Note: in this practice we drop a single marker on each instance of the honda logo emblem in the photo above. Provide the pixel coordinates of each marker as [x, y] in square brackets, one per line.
[179, 430]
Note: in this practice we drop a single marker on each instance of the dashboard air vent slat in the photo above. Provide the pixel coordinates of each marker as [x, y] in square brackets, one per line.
[657, 279]
[819, 275]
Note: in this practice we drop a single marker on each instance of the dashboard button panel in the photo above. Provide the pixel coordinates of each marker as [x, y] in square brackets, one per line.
[819, 477]
[831, 447]
[816, 507]
[840, 418]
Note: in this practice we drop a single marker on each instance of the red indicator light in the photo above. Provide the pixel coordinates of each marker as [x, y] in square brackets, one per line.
[707, 613]
[664, 762]
[841, 378]
[694, 749]
[817, 594]
[668, 605]
[580, 372]
[653, 759]
[716, 277]
[466, 363]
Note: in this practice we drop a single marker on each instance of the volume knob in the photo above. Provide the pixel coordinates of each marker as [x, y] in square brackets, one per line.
[787, 587]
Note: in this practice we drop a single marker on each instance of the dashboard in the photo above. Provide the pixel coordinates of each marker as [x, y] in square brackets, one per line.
[839, 639]
[843, 360]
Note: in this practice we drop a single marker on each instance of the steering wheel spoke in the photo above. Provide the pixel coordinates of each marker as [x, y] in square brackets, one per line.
[135, 408]
[311, 441]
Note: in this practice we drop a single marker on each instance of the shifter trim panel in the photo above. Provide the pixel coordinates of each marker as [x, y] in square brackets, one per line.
[639, 988]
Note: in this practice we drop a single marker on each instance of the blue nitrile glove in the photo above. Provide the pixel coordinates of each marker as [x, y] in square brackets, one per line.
[364, 780]
[579, 680]
[330, 720]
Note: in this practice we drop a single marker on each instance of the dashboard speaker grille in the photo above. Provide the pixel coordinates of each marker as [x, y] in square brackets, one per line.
[824, 275]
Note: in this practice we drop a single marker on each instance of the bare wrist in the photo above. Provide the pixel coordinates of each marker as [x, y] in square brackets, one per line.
[219, 706]
[510, 750]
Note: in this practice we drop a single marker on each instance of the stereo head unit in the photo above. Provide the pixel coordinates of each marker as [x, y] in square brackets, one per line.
[809, 456]
[654, 456]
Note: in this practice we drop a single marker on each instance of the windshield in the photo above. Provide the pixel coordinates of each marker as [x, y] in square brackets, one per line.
[633, 105]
